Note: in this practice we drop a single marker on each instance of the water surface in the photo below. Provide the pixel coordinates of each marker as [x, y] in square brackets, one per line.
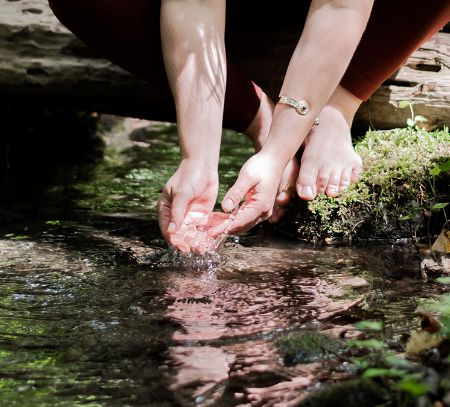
[95, 311]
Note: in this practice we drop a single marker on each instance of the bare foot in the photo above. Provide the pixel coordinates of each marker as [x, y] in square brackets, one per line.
[329, 163]
[258, 132]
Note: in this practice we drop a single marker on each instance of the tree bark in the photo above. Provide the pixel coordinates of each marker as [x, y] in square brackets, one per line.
[41, 61]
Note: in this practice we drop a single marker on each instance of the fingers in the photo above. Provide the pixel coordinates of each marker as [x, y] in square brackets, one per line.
[249, 216]
[237, 193]
[163, 209]
[172, 209]
[180, 202]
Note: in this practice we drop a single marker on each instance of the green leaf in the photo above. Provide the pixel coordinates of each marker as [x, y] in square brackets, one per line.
[381, 372]
[53, 222]
[397, 361]
[403, 104]
[413, 387]
[410, 122]
[440, 205]
[435, 171]
[367, 343]
[405, 218]
[369, 325]
[420, 118]
[445, 166]
[20, 237]
[443, 280]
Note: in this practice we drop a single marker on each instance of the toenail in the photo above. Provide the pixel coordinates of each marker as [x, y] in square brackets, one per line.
[283, 196]
[306, 190]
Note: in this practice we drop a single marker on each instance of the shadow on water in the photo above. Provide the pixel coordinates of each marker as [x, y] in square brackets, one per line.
[94, 311]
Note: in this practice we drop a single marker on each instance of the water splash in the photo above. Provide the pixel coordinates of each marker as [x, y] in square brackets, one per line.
[176, 259]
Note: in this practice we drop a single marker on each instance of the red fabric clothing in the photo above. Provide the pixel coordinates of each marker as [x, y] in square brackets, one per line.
[396, 28]
[127, 33]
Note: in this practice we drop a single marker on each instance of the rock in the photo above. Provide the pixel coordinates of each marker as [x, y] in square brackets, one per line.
[434, 264]
[42, 61]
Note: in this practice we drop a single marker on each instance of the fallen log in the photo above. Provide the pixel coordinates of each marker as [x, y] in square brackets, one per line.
[41, 61]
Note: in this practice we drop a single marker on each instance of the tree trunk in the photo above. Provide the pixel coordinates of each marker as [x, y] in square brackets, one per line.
[41, 61]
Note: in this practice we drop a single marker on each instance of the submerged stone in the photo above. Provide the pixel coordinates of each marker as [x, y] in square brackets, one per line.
[307, 347]
[354, 393]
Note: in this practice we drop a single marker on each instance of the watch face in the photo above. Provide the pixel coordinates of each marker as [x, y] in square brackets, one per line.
[302, 108]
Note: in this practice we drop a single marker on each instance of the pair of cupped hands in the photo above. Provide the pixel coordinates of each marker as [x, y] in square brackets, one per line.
[193, 190]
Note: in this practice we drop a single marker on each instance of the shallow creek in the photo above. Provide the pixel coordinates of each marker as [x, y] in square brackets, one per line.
[94, 310]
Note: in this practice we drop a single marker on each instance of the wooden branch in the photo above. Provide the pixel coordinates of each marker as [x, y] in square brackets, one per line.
[41, 61]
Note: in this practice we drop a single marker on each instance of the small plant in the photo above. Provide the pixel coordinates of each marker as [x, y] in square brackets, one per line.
[413, 121]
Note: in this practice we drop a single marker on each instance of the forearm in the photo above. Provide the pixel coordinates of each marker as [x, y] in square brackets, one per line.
[192, 35]
[330, 37]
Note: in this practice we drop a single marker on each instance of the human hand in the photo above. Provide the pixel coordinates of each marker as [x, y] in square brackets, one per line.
[193, 188]
[257, 185]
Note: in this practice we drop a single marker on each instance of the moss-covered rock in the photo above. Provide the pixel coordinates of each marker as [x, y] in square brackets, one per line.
[404, 178]
[354, 393]
[307, 346]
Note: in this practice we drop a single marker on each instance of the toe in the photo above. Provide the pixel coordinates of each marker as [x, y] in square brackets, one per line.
[345, 179]
[306, 181]
[277, 214]
[286, 189]
[333, 183]
[323, 178]
[356, 172]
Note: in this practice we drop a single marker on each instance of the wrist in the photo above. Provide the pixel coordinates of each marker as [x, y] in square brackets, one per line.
[195, 163]
[287, 132]
[273, 162]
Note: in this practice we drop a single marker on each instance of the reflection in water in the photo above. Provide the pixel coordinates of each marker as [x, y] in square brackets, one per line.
[93, 313]
[80, 323]
[228, 317]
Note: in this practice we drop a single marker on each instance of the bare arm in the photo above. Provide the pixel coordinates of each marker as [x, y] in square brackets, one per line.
[331, 34]
[192, 35]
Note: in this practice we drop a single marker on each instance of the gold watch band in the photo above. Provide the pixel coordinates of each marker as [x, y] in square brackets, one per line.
[301, 106]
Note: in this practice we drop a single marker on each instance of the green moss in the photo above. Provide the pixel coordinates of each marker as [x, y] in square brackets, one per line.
[130, 179]
[307, 346]
[353, 393]
[399, 182]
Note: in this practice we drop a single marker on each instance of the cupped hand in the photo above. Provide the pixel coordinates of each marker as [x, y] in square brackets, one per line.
[257, 186]
[193, 188]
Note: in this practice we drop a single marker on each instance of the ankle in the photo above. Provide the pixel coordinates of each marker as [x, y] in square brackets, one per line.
[346, 103]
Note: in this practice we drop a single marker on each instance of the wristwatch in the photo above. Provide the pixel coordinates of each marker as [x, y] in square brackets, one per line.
[300, 106]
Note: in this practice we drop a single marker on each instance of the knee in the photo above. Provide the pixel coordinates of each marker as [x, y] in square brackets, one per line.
[61, 8]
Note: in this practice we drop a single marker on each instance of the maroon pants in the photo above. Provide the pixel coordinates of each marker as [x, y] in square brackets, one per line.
[127, 33]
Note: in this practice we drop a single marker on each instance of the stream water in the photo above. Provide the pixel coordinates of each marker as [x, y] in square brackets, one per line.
[95, 311]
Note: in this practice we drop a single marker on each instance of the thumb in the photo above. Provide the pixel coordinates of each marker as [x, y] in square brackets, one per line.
[237, 193]
[178, 212]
